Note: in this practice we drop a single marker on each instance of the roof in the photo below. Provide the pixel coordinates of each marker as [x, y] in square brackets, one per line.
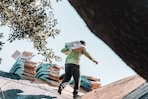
[116, 90]
[139, 93]
[14, 88]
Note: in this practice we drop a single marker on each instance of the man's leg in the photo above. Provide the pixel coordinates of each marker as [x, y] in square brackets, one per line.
[76, 76]
[67, 77]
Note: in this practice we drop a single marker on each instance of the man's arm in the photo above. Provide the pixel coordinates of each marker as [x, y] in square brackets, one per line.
[64, 50]
[89, 56]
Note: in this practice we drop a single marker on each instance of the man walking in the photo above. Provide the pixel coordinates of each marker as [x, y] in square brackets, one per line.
[72, 67]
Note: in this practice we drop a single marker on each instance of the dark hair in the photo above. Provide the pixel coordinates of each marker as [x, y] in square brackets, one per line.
[83, 42]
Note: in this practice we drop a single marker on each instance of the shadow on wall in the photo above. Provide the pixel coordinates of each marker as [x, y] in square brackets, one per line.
[14, 94]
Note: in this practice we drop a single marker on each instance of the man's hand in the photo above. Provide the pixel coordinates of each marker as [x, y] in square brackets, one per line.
[95, 61]
[66, 53]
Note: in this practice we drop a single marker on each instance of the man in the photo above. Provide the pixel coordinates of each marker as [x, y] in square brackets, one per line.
[72, 67]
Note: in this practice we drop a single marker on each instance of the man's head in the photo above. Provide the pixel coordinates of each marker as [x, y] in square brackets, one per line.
[83, 42]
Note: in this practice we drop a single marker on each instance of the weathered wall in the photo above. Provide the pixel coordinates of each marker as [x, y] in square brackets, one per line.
[122, 25]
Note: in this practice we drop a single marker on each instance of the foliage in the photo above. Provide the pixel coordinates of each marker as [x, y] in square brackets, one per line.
[30, 19]
[1, 43]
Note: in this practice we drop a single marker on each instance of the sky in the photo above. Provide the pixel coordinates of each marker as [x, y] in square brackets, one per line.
[110, 68]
